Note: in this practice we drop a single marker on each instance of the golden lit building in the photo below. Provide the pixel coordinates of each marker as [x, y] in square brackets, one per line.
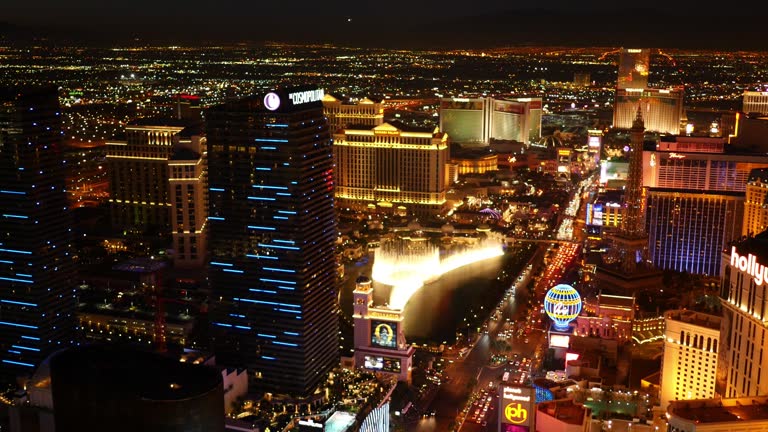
[343, 113]
[755, 102]
[138, 174]
[187, 174]
[689, 363]
[745, 317]
[756, 203]
[391, 166]
[662, 108]
[476, 165]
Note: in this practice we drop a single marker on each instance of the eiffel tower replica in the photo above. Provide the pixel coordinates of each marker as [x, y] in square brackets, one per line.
[626, 267]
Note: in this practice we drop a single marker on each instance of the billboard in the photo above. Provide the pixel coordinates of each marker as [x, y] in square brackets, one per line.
[384, 334]
[517, 409]
[385, 364]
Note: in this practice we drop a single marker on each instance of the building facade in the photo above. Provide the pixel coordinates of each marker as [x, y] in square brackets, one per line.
[662, 109]
[634, 66]
[473, 121]
[695, 201]
[689, 362]
[273, 230]
[37, 273]
[755, 102]
[343, 113]
[188, 179]
[391, 166]
[744, 301]
[756, 203]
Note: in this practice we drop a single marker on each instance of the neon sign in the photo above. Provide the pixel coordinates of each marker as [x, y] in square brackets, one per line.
[306, 96]
[515, 413]
[748, 264]
[271, 101]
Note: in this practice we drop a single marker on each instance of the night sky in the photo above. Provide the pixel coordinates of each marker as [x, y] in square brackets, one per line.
[398, 23]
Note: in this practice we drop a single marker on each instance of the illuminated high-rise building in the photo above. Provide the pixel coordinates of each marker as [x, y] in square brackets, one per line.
[188, 177]
[138, 174]
[634, 65]
[392, 166]
[744, 279]
[478, 120]
[689, 361]
[662, 108]
[755, 102]
[272, 238]
[343, 113]
[695, 201]
[37, 274]
[756, 203]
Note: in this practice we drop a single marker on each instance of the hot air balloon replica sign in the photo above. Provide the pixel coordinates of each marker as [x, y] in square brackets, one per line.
[563, 304]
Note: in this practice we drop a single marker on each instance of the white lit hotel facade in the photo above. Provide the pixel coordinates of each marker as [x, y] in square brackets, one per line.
[744, 297]
[391, 167]
[755, 102]
[689, 362]
[662, 109]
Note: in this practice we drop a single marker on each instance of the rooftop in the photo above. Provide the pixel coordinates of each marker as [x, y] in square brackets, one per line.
[696, 318]
[721, 410]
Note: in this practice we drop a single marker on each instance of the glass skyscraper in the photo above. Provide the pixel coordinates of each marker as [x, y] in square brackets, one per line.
[272, 237]
[37, 301]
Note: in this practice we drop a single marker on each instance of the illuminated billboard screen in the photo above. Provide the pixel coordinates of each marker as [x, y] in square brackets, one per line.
[384, 334]
[559, 341]
[386, 364]
[517, 408]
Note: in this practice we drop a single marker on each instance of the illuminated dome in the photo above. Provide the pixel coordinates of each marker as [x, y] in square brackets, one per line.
[563, 304]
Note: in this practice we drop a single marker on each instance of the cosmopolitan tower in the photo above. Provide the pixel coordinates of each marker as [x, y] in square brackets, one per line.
[272, 235]
[37, 299]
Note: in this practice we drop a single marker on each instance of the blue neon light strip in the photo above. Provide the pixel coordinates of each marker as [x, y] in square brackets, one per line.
[285, 241]
[260, 198]
[269, 187]
[294, 182]
[223, 324]
[280, 125]
[280, 217]
[242, 327]
[16, 280]
[215, 218]
[18, 363]
[233, 271]
[14, 351]
[283, 194]
[266, 335]
[17, 325]
[237, 315]
[286, 212]
[257, 227]
[18, 303]
[217, 263]
[267, 302]
[13, 216]
[216, 189]
[286, 288]
[6, 262]
[263, 169]
[289, 310]
[23, 275]
[291, 333]
[260, 256]
[286, 164]
[25, 348]
[277, 281]
[268, 358]
[16, 251]
[267, 148]
[12, 192]
[285, 343]
[30, 337]
[277, 246]
[262, 291]
[277, 140]
[279, 270]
